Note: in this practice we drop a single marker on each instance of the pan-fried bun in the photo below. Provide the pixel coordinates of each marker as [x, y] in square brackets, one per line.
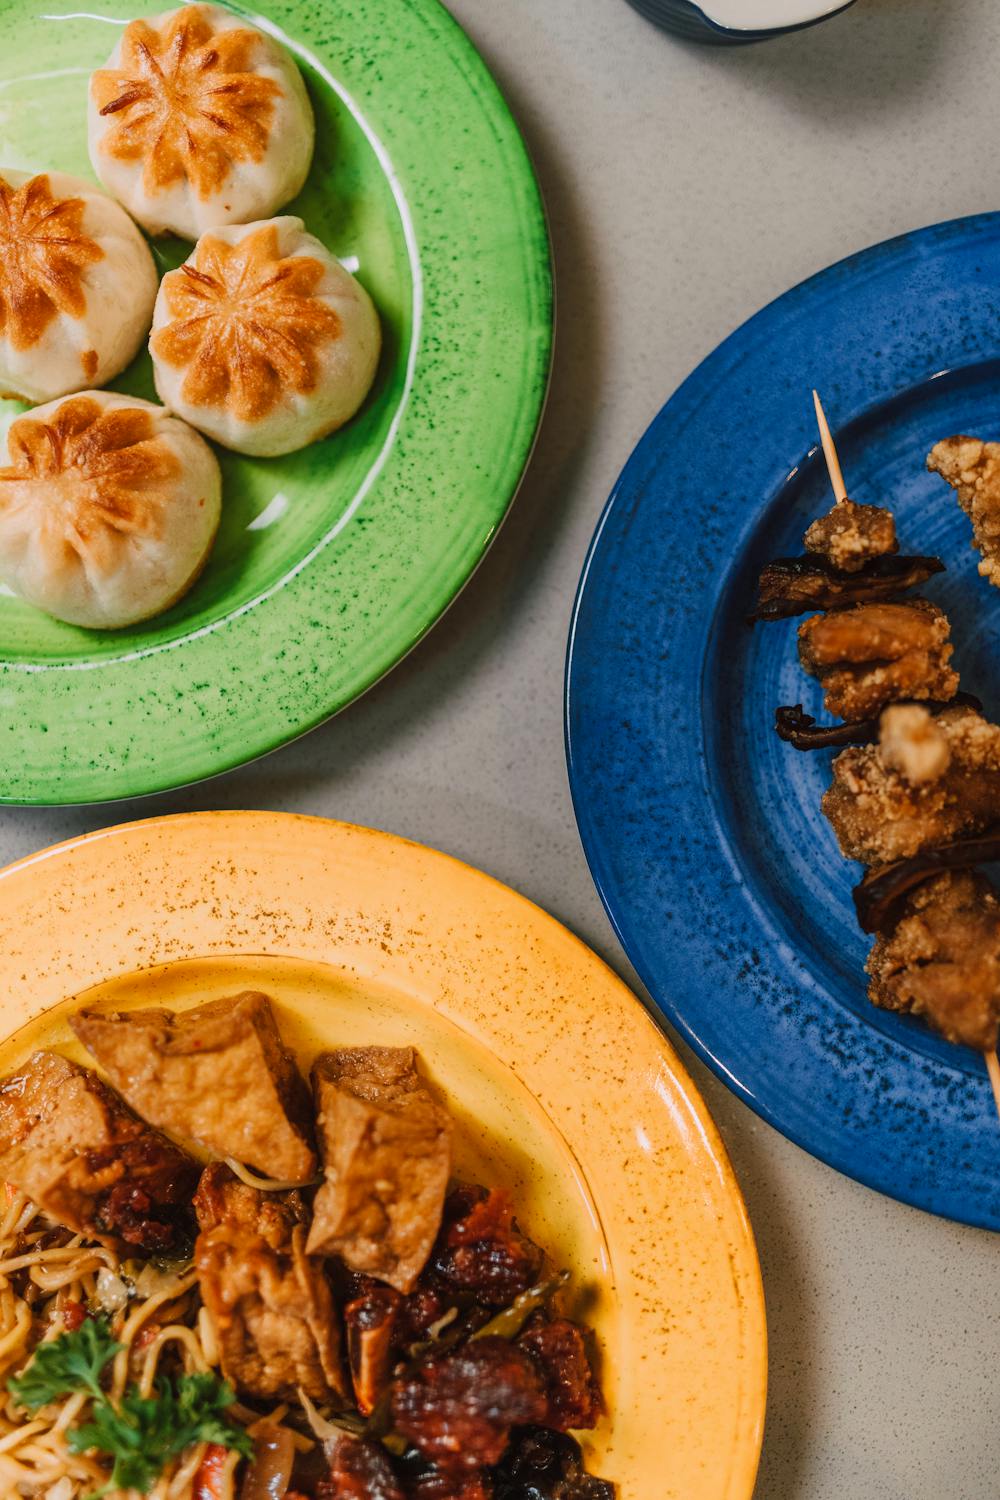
[108, 509]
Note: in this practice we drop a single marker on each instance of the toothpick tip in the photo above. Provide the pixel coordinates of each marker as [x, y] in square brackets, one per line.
[830, 452]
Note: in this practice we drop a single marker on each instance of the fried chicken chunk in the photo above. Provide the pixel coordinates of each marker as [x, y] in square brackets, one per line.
[218, 1074]
[874, 654]
[850, 535]
[942, 959]
[927, 781]
[386, 1146]
[271, 1305]
[972, 468]
[70, 1143]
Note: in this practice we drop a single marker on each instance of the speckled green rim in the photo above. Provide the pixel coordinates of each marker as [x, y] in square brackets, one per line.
[433, 465]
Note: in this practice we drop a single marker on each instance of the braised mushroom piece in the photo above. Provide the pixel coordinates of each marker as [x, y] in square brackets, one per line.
[386, 1147]
[875, 654]
[791, 586]
[219, 1074]
[71, 1145]
[548, 1465]
[270, 1303]
[877, 896]
[371, 1324]
[972, 468]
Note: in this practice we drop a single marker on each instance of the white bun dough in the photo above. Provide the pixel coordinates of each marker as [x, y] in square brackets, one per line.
[199, 119]
[262, 340]
[108, 508]
[77, 285]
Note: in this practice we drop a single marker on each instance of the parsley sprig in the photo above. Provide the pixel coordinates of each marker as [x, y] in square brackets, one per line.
[72, 1362]
[145, 1433]
[142, 1434]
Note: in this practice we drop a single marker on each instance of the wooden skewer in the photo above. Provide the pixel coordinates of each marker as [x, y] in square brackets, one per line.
[830, 452]
[840, 491]
[993, 1068]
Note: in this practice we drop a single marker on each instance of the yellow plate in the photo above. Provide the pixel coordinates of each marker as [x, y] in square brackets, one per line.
[562, 1086]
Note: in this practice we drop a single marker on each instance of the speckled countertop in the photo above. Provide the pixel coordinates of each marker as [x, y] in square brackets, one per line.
[686, 187]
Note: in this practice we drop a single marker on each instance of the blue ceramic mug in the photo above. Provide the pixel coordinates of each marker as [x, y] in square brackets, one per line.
[737, 21]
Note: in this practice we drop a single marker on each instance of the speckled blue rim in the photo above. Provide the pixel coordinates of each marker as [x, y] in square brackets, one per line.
[702, 830]
[688, 20]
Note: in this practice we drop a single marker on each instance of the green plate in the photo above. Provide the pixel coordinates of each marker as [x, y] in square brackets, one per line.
[331, 563]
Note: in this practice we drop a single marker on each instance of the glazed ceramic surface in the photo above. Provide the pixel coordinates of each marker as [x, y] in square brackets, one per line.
[332, 562]
[563, 1088]
[702, 828]
[727, 22]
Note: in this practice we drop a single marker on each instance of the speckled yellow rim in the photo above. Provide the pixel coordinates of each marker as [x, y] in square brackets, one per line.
[533, 1038]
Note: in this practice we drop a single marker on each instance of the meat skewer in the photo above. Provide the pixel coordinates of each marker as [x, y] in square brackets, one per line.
[851, 556]
[910, 782]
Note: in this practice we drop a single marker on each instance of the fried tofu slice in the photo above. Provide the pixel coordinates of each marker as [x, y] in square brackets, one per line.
[271, 1305]
[218, 1074]
[386, 1148]
[972, 468]
[927, 781]
[71, 1145]
[875, 654]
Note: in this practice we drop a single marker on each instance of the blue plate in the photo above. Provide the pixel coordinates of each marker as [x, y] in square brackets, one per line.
[702, 828]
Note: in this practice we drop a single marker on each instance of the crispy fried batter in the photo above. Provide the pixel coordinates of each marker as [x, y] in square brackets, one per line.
[972, 468]
[880, 813]
[942, 960]
[874, 654]
[850, 535]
